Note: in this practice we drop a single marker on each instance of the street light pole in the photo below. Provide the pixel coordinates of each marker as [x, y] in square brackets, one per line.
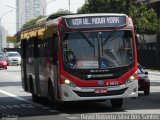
[1, 26]
[19, 19]
[43, 7]
[10, 7]
[4, 14]
[17, 23]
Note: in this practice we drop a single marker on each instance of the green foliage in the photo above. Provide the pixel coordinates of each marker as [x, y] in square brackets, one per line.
[103, 6]
[145, 19]
[32, 22]
[84, 9]
[61, 11]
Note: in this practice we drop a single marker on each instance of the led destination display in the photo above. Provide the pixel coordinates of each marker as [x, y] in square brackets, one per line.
[92, 22]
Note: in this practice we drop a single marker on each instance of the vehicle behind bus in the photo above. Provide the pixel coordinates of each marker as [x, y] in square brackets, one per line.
[80, 58]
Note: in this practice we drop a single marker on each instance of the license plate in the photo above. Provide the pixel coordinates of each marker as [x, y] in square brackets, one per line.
[100, 90]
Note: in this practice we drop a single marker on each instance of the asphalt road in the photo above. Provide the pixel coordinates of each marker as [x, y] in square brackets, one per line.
[15, 104]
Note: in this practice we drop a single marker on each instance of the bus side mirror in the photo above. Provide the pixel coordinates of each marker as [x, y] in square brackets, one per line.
[146, 73]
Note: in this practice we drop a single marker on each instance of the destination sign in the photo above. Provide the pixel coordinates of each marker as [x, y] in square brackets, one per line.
[92, 22]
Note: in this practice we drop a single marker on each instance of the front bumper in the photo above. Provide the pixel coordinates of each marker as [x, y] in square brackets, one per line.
[14, 62]
[88, 93]
[3, 66]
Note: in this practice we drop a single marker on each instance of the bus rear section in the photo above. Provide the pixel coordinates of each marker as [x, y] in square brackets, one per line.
[94, 58]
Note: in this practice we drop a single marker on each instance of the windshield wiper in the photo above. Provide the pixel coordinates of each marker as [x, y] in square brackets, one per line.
[86, 38]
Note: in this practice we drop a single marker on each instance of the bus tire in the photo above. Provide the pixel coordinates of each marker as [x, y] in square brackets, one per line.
[54, 103]
[50, 92]
[35, 98]
[117, 103]
[147, 92]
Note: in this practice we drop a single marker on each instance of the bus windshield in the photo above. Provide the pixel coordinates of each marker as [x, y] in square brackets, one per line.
[97, 49]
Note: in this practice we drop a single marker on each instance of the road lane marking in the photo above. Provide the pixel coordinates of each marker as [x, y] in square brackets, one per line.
[73, 117]
[154, 76]
[64, 114]
[15, 96]
[36, 105]
[25, 100]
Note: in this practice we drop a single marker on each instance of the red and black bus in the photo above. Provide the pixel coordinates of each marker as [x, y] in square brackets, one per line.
[80, 57]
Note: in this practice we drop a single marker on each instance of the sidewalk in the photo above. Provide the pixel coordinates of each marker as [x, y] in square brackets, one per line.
[154, 77]
[154, 73]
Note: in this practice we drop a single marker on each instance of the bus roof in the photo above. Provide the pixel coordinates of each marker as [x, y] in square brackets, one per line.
[93, 15]
[92, 20]
[48, 20]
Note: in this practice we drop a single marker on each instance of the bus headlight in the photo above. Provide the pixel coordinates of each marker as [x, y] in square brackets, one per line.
[132, 78]
[68, 82]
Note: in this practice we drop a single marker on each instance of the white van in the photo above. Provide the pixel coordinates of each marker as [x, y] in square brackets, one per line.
[13, 58]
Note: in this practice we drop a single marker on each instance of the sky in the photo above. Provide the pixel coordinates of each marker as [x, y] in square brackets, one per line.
[9, 19]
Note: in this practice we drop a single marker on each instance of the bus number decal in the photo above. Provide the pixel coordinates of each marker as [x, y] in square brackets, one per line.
[112, 83]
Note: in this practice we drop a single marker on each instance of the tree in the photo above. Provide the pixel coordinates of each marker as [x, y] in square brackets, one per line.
[103, 6]
[33, 21]
[60, 12]
[145, 19]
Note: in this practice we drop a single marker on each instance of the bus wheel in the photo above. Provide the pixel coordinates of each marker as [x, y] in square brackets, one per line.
[35, 98]
[51, 93]
[147, 92]
[117, 103]
[52, 97]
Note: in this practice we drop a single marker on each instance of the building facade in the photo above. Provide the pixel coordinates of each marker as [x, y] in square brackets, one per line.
[27, 10]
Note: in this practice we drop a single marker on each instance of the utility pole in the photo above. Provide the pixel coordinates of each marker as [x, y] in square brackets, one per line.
[69, 6]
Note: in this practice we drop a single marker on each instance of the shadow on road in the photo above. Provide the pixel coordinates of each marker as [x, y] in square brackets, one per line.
[16, 108]
[10, 105]
[143, 102]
